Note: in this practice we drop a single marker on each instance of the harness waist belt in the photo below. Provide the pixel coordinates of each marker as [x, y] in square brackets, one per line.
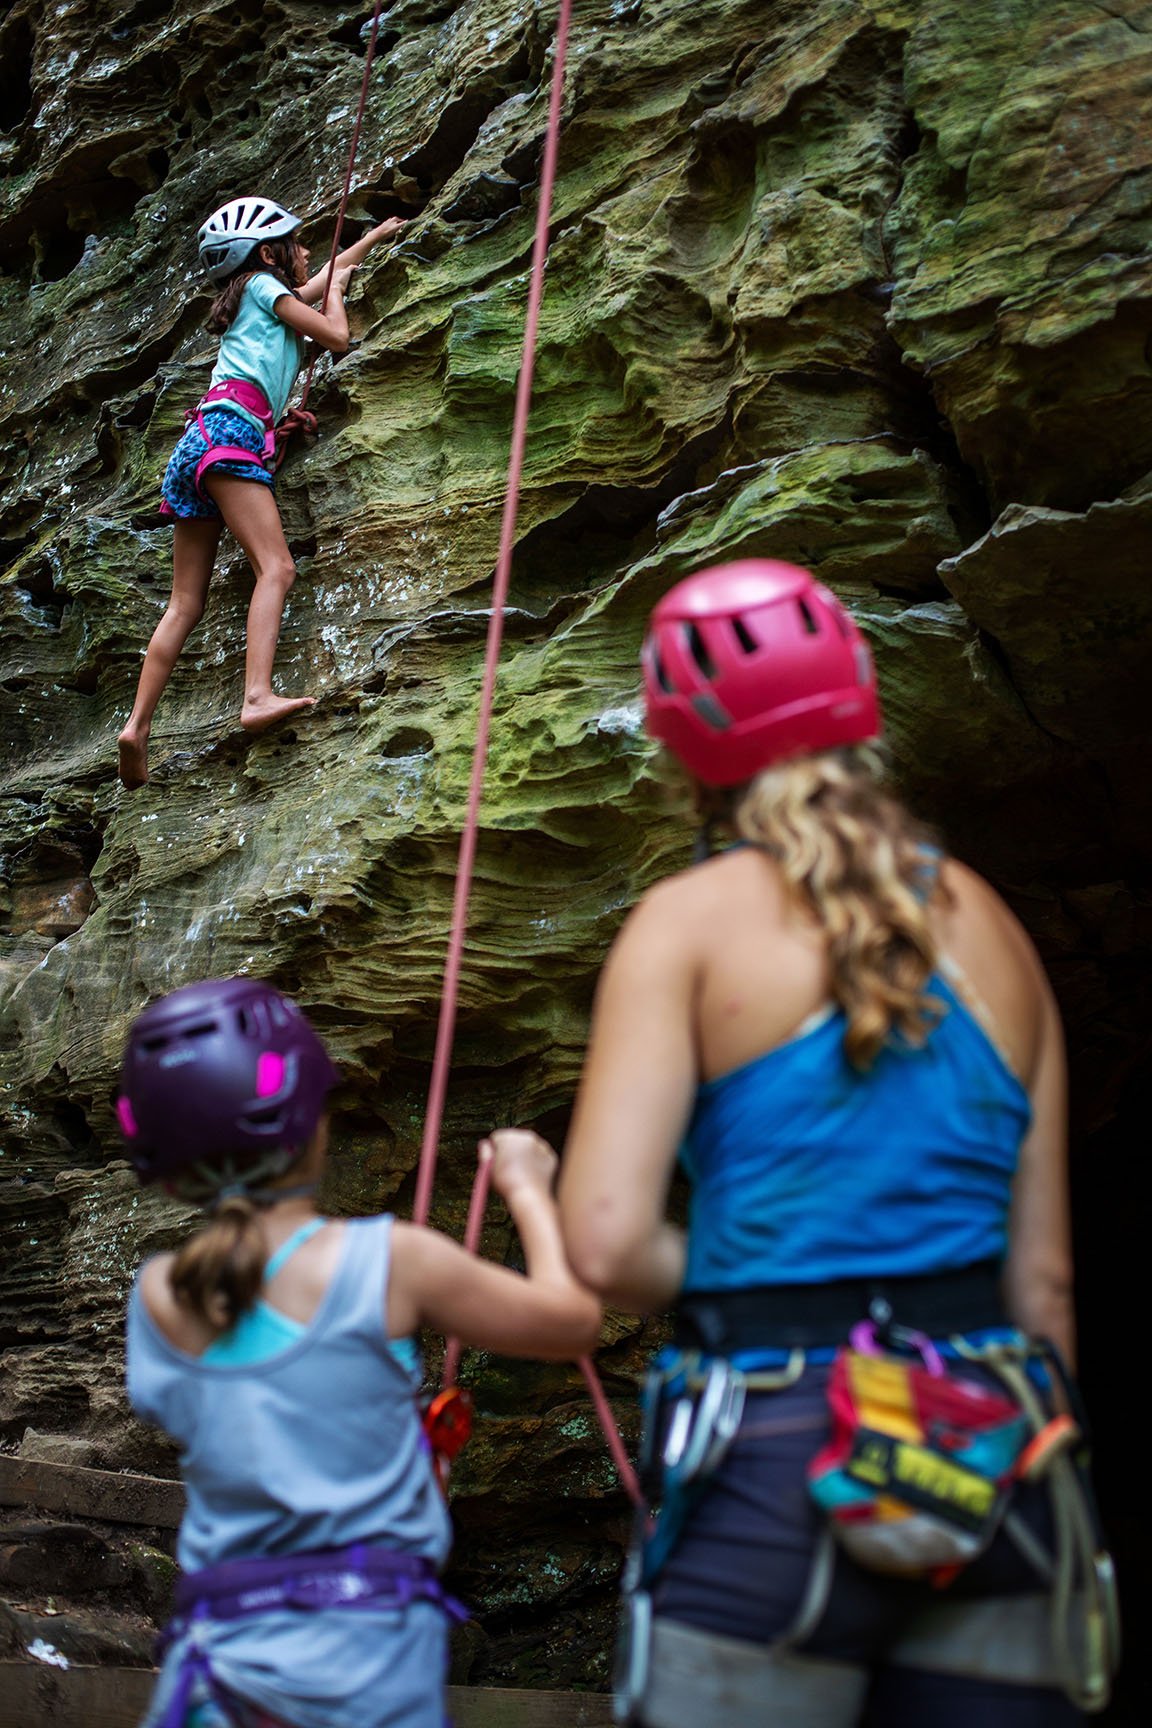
[359, 1576]
[819, 1316]
[328, 1578]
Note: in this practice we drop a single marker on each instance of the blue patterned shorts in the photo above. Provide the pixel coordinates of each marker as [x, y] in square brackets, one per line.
[178, 487]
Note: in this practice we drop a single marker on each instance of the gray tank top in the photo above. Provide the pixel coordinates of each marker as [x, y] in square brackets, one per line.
[318, 1446]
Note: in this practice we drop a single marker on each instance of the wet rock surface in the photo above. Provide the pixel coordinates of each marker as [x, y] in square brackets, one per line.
[861, 283]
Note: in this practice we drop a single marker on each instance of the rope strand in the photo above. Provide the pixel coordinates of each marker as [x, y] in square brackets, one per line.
[369, 56]
[466, 860]
[446, 1027]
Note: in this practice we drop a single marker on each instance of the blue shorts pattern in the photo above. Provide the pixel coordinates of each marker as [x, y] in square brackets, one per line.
[179, 484]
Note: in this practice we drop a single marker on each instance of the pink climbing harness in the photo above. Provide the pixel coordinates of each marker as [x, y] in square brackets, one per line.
[241, 393]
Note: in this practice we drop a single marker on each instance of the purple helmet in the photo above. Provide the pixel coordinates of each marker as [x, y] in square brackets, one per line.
[222, 1082]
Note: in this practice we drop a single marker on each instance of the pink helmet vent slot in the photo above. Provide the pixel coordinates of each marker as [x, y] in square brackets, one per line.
[269, 1073]
[126, 1119]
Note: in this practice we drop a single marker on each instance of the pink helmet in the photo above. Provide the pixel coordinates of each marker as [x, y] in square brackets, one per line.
[752, 663]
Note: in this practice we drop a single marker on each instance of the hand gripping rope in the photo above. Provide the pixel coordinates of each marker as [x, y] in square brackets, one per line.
[449, 1415]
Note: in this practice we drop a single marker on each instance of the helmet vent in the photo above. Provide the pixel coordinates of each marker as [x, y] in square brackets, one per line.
[252, 1019]
[241, 213]
[698, 649]
[744, 636]
[809, 618]
[161, 1040]
[711, 712]
[662, 677]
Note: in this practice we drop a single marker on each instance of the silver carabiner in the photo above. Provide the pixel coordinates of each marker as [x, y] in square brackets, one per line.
[714, 1421]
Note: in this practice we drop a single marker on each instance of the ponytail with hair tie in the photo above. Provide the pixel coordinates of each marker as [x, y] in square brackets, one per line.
[217, 1275]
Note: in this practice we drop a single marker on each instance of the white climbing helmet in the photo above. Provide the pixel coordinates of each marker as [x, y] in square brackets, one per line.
[231, 232]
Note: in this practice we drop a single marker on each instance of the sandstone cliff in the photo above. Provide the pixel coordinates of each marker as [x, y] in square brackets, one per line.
[862, 283]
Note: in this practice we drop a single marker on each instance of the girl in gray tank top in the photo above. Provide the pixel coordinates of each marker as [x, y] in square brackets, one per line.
[276, 1349]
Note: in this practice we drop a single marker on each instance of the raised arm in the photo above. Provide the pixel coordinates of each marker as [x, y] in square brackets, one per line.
[329, 328]
[544, 1314]
[632, 1109]
[312, 291]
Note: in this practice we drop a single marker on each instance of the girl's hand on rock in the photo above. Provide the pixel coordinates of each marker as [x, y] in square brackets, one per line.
[387, 229]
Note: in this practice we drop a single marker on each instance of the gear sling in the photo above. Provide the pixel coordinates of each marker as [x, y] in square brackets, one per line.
[693, 1401]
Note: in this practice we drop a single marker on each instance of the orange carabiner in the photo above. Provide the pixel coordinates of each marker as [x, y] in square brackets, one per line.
[447, 1427]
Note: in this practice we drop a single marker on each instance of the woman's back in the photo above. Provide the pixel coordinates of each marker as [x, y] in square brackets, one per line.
[762, 971]
[806, 1168]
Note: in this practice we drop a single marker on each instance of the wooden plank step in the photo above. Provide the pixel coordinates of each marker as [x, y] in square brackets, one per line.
[117, 1498]
[35, 1695]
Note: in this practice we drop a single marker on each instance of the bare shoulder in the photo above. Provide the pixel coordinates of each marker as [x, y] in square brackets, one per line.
[154, 1282]
[977, 909]
[701, 892]
[154, 1279]
[1000, 971]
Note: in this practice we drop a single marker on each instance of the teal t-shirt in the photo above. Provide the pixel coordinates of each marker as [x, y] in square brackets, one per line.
[259, 347]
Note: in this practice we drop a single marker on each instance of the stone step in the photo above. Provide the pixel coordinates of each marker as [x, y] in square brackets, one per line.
[109, 1496]
[38, 1695]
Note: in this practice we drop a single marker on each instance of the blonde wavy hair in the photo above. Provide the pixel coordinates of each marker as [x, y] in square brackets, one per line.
[867, 870]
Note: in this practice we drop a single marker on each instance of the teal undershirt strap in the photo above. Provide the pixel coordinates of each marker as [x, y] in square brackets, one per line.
[262, 1331]
[286, 1249]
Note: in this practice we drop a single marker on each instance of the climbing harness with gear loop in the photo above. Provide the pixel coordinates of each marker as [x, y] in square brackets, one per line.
[917, 1479]
[1085, 1610]
[691, 1405]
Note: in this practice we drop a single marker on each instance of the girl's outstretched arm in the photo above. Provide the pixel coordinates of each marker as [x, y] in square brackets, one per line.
[313, 290]
[435, 1283]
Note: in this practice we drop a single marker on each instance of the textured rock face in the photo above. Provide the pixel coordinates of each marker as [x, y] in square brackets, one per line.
[858, 283]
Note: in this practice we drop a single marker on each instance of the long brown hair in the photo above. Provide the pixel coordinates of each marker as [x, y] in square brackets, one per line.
[283, 267]
[867, 870]
[217, 1274]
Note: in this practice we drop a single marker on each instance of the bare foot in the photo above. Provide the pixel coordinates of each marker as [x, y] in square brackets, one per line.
[133, 753]
[266, 710]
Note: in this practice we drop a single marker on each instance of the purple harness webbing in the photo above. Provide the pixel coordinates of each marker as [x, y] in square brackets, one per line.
[356, 1577]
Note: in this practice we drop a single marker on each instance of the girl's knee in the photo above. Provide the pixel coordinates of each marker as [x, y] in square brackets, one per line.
[279, 573]
[185, 614]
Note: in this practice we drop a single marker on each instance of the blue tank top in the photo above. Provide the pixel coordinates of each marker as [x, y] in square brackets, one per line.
[260, 348]
[804, 1170]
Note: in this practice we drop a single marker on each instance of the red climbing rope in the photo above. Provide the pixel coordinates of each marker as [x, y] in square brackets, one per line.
[466, 860]
[446, 1027]
[369, 56]
[480, 1185]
